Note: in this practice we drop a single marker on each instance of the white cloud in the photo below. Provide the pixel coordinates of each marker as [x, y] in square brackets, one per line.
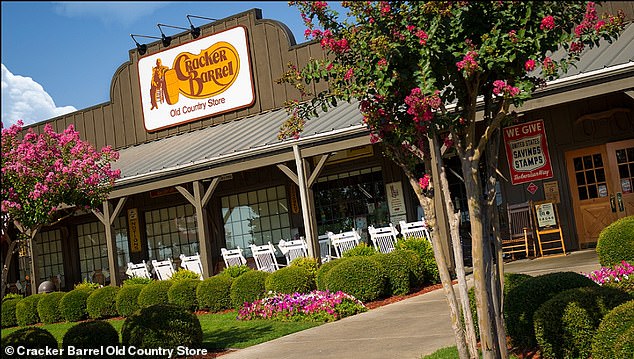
[26, 100]
[112, 12]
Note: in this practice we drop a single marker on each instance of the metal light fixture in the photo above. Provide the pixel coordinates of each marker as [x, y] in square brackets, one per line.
[167, 40]
[195, 31]
[142, 48]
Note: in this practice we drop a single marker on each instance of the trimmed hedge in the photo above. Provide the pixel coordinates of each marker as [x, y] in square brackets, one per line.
[183, 293]
[521, 302]
[73, 305]
[30, 337]
[154, 293]
[362, 249]
[26, 310]
[616, 242]
[182, 273]
[615, 325]
[565, 324]
[423, 248]
[235, 271]
[137, 280]
[398, 269]
[323, 270]
[102, 303]
[162, 326]
[90, 335]
[48, 308]
[311, 265]
[214, 293]
[360, 277]
[127, 300]
[248, 287]
[8, 312]
[289, 280]
[624, 346]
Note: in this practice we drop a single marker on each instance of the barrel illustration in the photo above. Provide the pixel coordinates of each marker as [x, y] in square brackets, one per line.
[171, 85]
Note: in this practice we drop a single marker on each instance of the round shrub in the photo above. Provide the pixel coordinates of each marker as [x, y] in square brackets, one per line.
[360, 277]
[90, 286]
[522, 301]
[624, 346]
[248, 287]
[73, 305]
[8, 312]
[185, 274]
[127, 300]
[30, 337]
[614, 326]
[289, 280]
[183, 293]
[214, 293]
[323, 270]
[137, 280]
[9, 296]
[423, 248]
[162, 326]
[616, 242]
[311, 265]
[235, 271]
[102, 303]
[625, 284]
[154, 293]
[90, 335]
[398, 272]
[566, 323]
[48, 308]
[26, 310]
[361, 249]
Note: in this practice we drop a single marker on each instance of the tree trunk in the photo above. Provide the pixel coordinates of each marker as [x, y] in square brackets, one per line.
[7, 264]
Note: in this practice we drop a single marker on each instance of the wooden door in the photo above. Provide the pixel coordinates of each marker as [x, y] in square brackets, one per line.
[621, 160]
[591, 189]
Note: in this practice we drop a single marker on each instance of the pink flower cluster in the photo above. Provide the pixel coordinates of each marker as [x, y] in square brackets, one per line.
[327, 40]
[548, 66]
[548, 23]
[500, 87]
[421, 107]
[313, 306]
[421, 34]
[615, 274]
[424, 181]
[468, 63]
[529, 65]
[589, 20]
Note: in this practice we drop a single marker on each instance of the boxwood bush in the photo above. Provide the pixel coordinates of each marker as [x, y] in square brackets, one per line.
[162, 326]
[235, 271]
[423, 248]
[73, 304]
[360, 277]
[323, 270]
[362, 249]
[311, 265]
[26, 310]
[127, 300]
[214, 293]
[399, 274]
[248, 287]
[616, 242]
[154, 293]
[137, 280]
[521, 302]
[565, 324]
[183, 293]
[8, 312]
[289, 280]
[182, 273]
[102, 303]
[624, 345]
[48, 308]
[614, 326]
[90, 335]
[30, 337]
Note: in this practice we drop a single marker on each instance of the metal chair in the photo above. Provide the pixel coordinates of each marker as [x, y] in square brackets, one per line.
[325, 247]
[233, 257]
[137, 270]
[520, 230]
[163, 269]
[344, 242]
[417, 229]
[293, 249]
[264, 256]
[192, 263]
[383, 238]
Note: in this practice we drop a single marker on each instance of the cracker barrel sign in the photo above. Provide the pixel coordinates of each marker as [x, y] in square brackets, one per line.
[527, 152]
[200, 78]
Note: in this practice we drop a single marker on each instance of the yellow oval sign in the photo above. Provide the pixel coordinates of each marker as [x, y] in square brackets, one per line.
[209, 73]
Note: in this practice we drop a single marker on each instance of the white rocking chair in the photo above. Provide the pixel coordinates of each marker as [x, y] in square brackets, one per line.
[137, 270]
[293, 249]
[192, 263]
[325, 247]
[416, 229]
[344, 242]
[233, 257]
[264, 256]
[383, 238]
[163, 269]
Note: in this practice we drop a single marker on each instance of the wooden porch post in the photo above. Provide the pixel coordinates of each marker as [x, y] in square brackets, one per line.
[107, 219]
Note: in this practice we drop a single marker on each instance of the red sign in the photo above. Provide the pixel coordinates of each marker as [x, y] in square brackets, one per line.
[532, 188]
[527, 152]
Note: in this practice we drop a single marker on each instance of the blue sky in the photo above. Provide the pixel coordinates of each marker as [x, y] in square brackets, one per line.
[58, 57]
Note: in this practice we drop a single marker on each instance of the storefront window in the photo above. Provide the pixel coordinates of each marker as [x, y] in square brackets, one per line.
[256, 217]
[171, 232]
[350, 200]
[49, 257]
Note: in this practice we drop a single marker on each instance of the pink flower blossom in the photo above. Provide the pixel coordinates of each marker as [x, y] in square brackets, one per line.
[348, 74]
[468, 63]
[424, 181]
[382, 63]
[548, 23]
[529, 65]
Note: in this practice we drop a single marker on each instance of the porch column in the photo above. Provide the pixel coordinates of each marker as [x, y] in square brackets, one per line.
[107, 219]
[199, 200]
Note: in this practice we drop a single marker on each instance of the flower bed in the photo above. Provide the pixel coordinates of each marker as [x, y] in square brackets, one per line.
[314, 306]
[607, 275]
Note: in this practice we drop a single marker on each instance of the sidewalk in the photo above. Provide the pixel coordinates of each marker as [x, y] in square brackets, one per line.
[410, 328]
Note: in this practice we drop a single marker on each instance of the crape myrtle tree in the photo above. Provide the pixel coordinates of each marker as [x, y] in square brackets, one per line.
[45, 178]
[444, 75]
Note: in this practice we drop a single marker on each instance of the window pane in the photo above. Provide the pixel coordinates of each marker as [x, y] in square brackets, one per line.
[621, 156]
[587, 162]
[598, 161]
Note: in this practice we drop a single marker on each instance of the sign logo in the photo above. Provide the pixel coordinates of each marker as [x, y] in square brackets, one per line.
[198, 79]
[527, 152]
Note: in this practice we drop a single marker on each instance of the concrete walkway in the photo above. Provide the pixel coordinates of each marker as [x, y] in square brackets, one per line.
[410, 328]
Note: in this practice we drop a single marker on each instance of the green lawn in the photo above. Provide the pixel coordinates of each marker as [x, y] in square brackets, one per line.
[220, 331]
[450, 353]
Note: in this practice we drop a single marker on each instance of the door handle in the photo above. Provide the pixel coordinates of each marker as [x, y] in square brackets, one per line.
[613, 203]
[619, 200]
